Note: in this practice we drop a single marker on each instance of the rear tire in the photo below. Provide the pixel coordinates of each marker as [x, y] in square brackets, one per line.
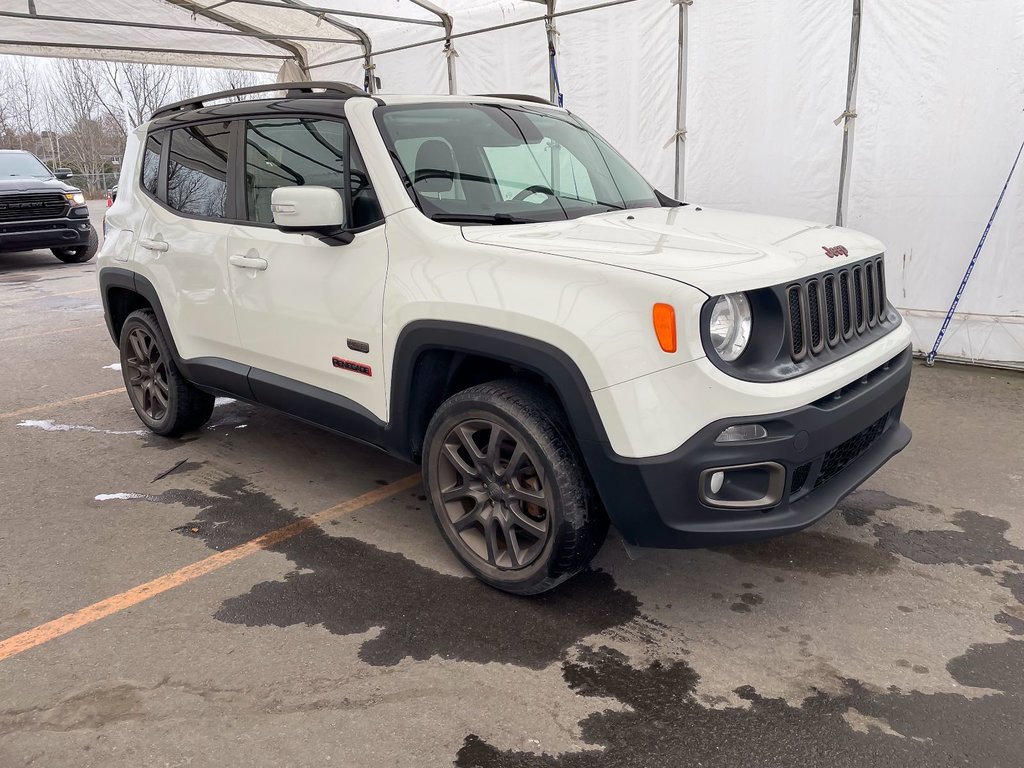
[508, 487]
[79, 254]
[164, 401]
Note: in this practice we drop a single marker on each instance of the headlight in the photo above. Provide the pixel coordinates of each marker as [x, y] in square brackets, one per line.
[76, 197]
[729, 326]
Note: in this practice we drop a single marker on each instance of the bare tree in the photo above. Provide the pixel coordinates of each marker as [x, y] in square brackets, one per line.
[20, 100]
[230, 79]
[78, 113]
[129, 92]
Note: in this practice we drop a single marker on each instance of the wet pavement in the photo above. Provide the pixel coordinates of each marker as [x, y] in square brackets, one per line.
[892, 633]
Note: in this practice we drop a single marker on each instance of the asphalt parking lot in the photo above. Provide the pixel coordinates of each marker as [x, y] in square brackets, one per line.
[139, 626]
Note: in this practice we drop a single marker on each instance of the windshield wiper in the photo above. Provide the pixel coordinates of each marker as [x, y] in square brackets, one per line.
[481, 218]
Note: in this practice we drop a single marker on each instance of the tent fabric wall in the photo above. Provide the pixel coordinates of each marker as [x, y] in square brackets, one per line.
[939, 112]
[940, 99]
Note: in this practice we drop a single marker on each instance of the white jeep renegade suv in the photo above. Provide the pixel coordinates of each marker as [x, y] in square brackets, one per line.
[482, 285]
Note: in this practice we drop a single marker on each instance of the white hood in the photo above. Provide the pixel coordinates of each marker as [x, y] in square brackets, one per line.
[713, 250]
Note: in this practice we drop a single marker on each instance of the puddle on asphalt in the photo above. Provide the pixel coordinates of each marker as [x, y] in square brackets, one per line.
[350, 587]
[667, 725]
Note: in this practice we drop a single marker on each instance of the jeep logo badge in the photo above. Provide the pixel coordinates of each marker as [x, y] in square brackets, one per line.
[835, 251]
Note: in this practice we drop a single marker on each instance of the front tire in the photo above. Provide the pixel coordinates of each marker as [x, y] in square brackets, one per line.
[79, 254]
[167, 403]
[508, 487]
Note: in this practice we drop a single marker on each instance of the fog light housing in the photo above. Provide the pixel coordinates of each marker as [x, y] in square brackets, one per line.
[739, 433]
[743, 486]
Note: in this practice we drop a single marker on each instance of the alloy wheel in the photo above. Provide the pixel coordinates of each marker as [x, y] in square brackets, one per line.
[146, 374]
[493, 493]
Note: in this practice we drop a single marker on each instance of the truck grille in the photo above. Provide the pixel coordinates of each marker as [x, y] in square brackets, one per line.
[832, 309]
[32, 205]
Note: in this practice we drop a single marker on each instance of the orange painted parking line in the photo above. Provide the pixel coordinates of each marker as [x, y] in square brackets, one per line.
[53, 629]
[47, 296]
[51, 333]
[59, 403]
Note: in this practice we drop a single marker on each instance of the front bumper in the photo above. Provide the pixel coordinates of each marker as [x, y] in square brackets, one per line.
[66, 232]
[826, 449]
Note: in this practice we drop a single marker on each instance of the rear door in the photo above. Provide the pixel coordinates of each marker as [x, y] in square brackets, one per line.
[310, 315]
[182, 243]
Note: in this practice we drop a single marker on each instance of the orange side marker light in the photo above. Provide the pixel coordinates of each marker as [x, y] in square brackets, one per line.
[665, 326]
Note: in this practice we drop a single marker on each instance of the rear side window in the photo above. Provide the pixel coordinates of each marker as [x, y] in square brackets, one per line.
[197, 170]
[151, 163]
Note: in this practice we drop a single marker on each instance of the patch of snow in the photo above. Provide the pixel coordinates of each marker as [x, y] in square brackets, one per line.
[223, 401]
[241, 426]
[49, 426]
[113, 367]
[121, 495]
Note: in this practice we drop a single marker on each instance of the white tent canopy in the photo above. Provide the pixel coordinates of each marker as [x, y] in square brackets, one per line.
[745, 91]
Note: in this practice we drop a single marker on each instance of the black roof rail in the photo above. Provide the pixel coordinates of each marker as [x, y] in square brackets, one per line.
[517, 97]
[292, 91]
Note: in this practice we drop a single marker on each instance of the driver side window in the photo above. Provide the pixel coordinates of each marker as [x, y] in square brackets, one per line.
[300, 151]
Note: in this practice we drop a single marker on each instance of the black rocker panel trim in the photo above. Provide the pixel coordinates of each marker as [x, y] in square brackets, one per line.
[317, 406]
[225, 377]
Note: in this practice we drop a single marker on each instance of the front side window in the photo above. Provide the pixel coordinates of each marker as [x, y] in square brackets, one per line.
[197, 170]
[507, 164]
[151, 163]
[299, 151]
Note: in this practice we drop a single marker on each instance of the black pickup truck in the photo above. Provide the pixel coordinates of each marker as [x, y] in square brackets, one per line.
[39, 210]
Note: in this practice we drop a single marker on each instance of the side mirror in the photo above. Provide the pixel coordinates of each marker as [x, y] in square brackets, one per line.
[310, 210]
[63, 173]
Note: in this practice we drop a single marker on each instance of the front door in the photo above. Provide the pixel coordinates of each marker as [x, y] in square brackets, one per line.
[309, 314]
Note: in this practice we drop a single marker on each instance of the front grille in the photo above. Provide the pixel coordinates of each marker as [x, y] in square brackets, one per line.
[840, 457]
[32, 205]
[829, 310]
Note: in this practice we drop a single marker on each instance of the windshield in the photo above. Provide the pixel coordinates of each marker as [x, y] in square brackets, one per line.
[467, 163]
[22, 165]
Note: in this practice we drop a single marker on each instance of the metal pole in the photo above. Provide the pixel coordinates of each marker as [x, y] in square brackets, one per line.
[848, 116]
[450, 53]
[681, 77]
[552, 33]
[481, 31]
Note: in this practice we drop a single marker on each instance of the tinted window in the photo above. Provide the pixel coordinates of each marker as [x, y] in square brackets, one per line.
[151, 162]
[291, 152]
[197, 170]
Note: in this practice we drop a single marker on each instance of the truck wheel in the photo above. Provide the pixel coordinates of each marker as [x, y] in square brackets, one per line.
[508, 487]
[165, 402]
[80, 253]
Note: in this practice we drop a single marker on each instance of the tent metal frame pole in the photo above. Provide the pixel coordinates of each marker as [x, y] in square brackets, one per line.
[136, 49]
[370, 80]
[264, 36]
[297, 51]
[450, 54]
[552, 36]
[682, 72]
[481, 31]
[318, 9]
[849, 115]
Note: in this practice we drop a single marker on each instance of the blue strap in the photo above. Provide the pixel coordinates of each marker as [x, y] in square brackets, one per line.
[554, 75]
[930, 360]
